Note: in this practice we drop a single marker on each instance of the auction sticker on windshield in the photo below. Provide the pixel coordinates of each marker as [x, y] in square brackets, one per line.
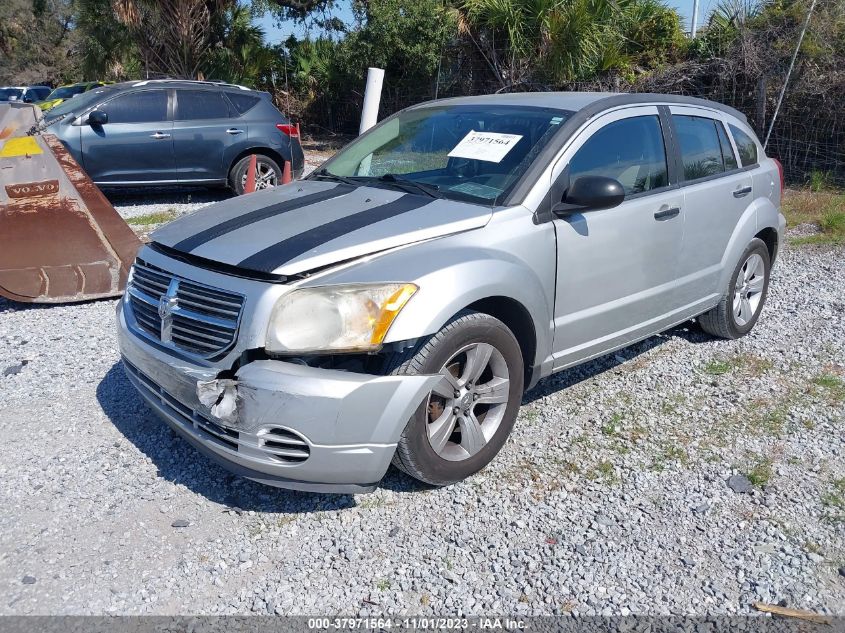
[489, 146]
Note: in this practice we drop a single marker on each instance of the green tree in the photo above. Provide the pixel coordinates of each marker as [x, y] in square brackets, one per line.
[239, 54]
[405, 37]
[106, 47]
[36, 41]
[556, 41]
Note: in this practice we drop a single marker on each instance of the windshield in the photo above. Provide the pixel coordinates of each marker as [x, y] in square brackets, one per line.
[475, 153]
[66, 92]
[77, 104]
[7, 94]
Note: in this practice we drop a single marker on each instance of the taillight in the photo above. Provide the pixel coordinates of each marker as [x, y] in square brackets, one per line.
[780, 172]
[289, 129]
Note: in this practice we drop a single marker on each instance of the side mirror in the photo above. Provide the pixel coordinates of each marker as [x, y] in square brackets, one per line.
[590, 193]
[98, 117]
[28, 99]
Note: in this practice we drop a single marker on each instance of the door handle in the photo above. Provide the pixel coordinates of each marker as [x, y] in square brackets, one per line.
[744, 191]
[667, 213]
[158, 135]
[233, 131]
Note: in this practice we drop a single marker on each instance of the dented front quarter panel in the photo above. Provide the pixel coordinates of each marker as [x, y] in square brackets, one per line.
[337, 407]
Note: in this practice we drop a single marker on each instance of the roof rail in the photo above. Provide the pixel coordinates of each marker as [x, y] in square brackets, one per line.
[144, 82]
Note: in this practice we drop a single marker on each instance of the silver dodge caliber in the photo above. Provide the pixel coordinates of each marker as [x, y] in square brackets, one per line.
[394, 306]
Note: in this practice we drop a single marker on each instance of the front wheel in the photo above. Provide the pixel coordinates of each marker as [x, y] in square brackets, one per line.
[267, 174]
[464, 422]
[740, 306]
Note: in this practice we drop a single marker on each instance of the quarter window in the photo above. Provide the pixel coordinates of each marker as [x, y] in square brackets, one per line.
[746, 146]
[242, 102]
[701, 151]
[629, 150]
[200, 104]
[137, 107]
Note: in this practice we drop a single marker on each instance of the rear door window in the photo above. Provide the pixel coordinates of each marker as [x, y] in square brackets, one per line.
[701, 152]
[200, 104]
[148, 106]
[746, 146]
[629, 150]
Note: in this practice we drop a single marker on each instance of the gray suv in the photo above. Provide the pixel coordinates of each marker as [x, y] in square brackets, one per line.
[394, 306]
[168, 132]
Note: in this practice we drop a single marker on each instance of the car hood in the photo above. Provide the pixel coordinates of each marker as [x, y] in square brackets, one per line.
[311, 224]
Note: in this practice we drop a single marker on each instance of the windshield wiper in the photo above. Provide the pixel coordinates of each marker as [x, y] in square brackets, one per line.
[406, 183]
[322, 173]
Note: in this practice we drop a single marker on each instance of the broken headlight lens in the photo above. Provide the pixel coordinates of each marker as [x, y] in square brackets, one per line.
[347, 318]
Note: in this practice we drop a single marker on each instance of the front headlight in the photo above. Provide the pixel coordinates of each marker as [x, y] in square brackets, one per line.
[348, 318]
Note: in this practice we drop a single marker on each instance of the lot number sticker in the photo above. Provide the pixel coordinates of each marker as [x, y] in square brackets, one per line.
[489, 146]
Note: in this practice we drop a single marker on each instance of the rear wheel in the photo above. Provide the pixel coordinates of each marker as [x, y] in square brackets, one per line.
[267, 174]
[740, 306]
[464, 422]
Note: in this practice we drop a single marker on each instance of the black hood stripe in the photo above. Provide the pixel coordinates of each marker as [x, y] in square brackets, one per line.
[258, 215]
[274, 256]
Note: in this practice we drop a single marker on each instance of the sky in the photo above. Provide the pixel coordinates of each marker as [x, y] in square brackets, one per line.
[276, 33]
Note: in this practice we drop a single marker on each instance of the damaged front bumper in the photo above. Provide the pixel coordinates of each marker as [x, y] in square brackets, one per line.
[280, 423]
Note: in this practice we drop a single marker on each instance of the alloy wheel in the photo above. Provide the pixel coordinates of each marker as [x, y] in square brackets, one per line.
[748, 289]
[467, 406]
[265, 176]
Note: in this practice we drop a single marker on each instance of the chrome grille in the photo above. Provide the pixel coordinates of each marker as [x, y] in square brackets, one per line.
[181, 313]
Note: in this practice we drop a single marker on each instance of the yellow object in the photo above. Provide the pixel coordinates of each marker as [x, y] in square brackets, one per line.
[20, 146]
[390, 310]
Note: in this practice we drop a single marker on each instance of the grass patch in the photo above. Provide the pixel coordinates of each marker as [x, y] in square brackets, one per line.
[383, 584]
[761, 472]
[612, 427]
[718, 367]
[833, 386]
[153, 218]
[835, 497]
[671, 404]
[771, 421]
[604, 470]
[825, 209]
[834, 501]
[752, 365]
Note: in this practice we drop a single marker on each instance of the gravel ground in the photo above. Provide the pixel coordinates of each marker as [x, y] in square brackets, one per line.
[611, 497]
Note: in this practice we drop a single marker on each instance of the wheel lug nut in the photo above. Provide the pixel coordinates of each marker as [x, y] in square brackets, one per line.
[475, 396]
[457, 393]
[456, 410]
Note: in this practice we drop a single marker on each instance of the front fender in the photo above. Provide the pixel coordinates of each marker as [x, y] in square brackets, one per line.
[455, 271]
[460, 283]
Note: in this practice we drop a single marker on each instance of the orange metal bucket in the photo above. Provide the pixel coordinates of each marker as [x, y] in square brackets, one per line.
[60, 239]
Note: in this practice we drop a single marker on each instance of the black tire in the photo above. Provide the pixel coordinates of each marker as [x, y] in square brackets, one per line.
[720, 320]
[414, 454]
[237, 175]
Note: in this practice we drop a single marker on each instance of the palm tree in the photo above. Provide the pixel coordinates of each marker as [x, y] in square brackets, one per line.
[239, 55]
[561, 41]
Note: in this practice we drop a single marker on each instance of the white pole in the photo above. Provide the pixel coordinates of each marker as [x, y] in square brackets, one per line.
[694, 25]
[372, 98]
